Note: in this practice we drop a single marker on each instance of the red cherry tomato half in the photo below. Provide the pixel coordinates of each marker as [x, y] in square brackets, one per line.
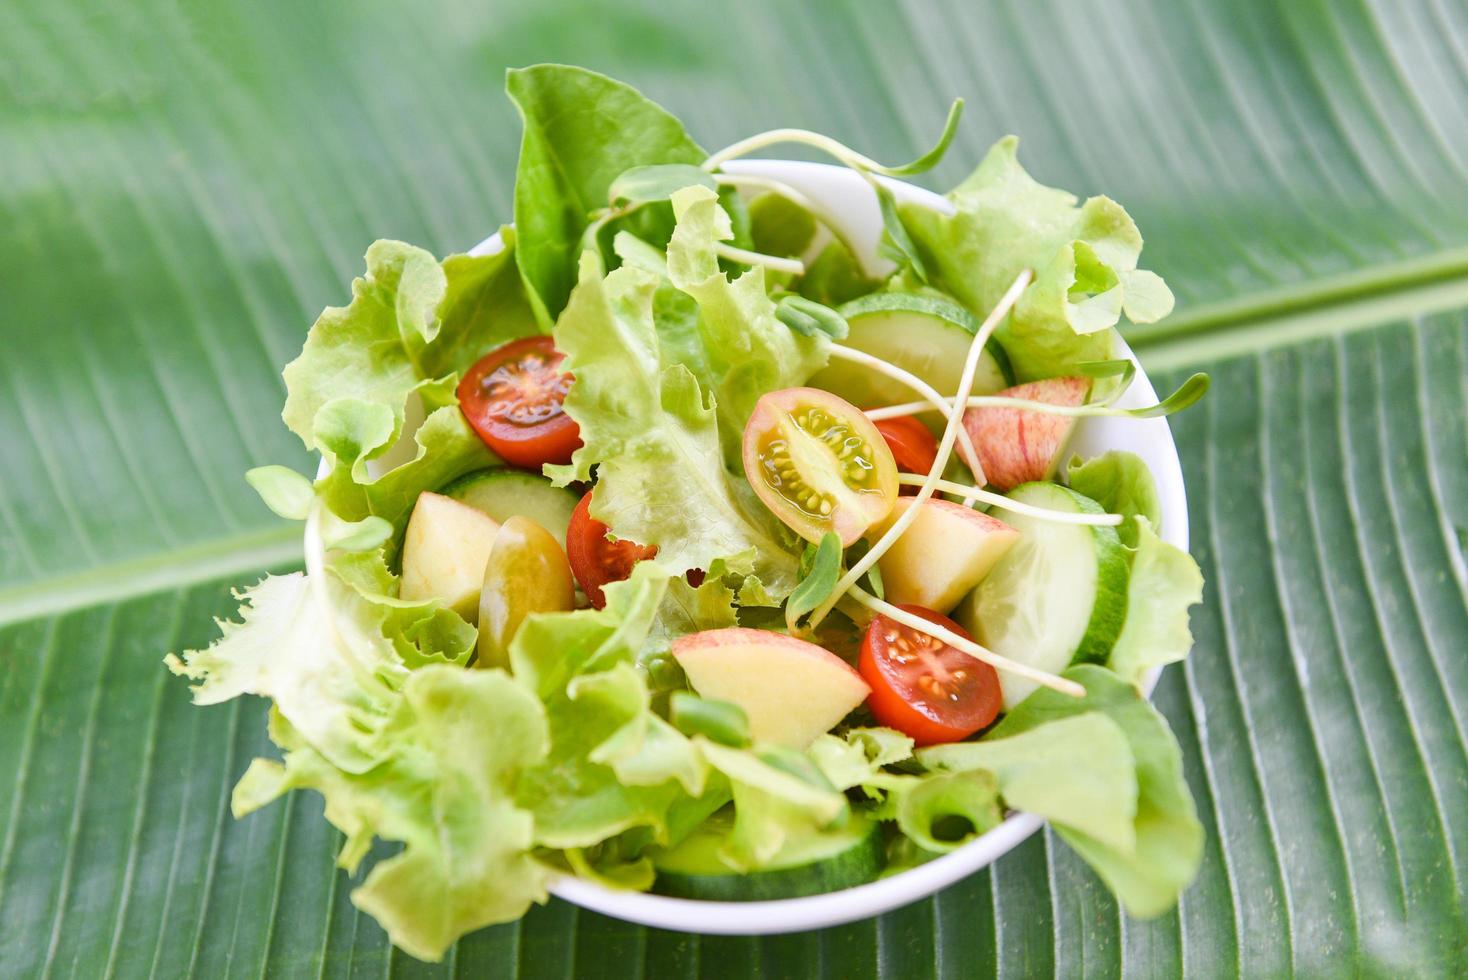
[912, 445]
[513, 398]
[595, 559]
[923, 687]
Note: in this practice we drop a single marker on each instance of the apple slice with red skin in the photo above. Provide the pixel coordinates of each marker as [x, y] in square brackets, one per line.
[1016, 445]
[792, 691]
[943, 554]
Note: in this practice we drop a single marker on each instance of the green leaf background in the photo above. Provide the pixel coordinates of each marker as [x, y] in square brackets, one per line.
[184, 186]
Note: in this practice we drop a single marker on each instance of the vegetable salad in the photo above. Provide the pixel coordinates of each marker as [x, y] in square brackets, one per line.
[721, 563]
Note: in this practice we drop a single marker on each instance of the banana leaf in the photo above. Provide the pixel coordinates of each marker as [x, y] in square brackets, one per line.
[184, 186]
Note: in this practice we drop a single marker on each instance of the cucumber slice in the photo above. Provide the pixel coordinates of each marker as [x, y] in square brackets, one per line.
[503, 493]
[1057, 597]
[852, 855]
[923, 333]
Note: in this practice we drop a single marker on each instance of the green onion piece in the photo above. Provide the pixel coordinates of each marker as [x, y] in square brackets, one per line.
[717, 721]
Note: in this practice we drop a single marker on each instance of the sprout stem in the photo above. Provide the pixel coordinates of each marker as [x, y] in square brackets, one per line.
[1018, 507]
[969, 647]
[945, 450]
[1187, 393]
[755, 182]
[934, 402]
[841, 151]
[793, 266]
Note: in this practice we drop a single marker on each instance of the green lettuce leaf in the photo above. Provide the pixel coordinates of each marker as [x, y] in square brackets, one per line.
[444, 786]
[412, 321]
[582, 131]
[1122, 484]
[1077, 771]
[857, 757]
[779, 226]
[317, 649]
[1169, 840]
[772, 805]
[610, 767]
[446, 448]
[749, 352]
[644, 424]
[422, 632]
[1084, 259]
[686, 609]
[835, 276]
[1165, 581]
[943, 811]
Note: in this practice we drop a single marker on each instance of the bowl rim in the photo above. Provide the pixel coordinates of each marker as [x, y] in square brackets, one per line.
[772, 917]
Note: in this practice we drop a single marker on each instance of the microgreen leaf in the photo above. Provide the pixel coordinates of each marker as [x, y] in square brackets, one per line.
[874, 582]
[639, 185]
[896, 244]
[930, 159]
[1119, 373]
[873, 577]
[809, 318]
[363, 535]
[1186, 394]
[718, 721]
[284, 491]
[817, 580]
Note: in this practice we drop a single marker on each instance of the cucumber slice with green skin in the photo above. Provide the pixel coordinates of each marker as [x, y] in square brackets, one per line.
[852, 855]
[921, 333]
[503, 493]
[1057, 597]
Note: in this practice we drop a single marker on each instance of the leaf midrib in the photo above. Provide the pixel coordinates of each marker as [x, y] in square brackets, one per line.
[176, 568]
[1357, 300]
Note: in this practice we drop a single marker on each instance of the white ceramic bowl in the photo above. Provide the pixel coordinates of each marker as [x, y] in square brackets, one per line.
[846, 197]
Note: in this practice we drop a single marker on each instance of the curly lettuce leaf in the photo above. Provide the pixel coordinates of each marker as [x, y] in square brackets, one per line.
[422, 632]
[412, 321]
[1122, 484]
[857, 757]
[687, 609]
[1164, 583]
[1084, 259]
[772, 805]
[582, 131]
[1148, 877]
[443, 786]
[445, 448]
[611, 766]
[317, 649]
[654, 441]
[749, 352]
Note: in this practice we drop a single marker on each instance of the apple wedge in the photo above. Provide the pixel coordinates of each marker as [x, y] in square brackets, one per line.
[444, 553]
[791, 690]
[1016, 445]
[944, 553]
